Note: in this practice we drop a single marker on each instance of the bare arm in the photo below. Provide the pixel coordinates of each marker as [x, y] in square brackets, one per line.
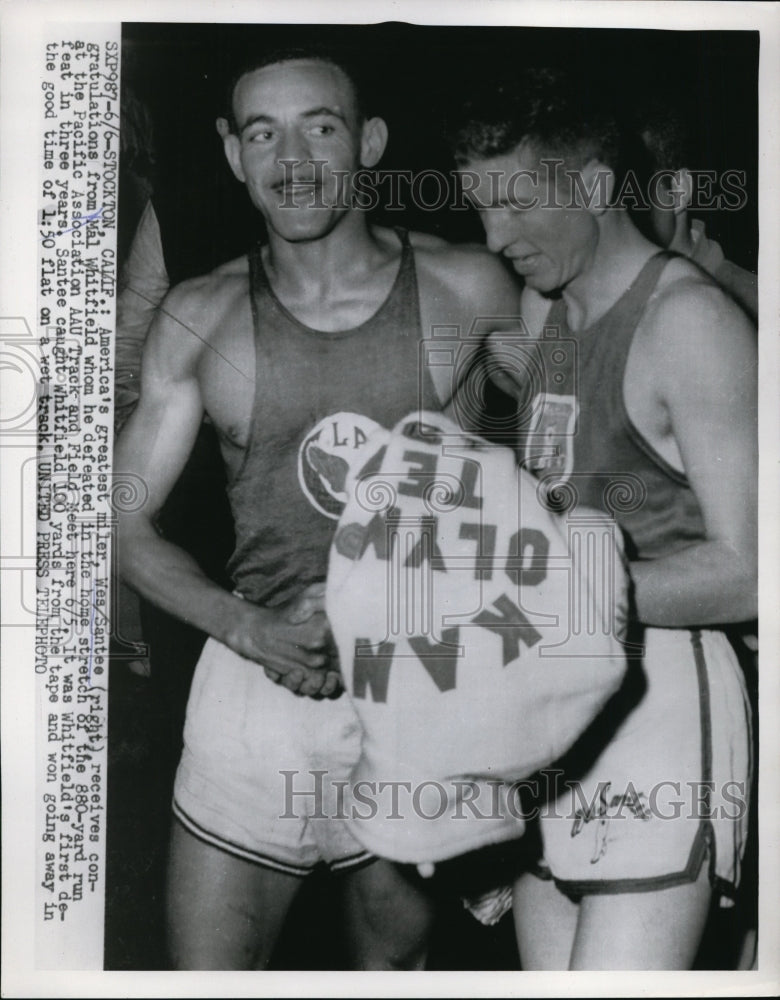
[703, 351]
[466, 290]
[154, 447]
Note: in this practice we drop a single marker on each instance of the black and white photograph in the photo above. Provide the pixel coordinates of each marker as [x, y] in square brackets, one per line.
[398, 513]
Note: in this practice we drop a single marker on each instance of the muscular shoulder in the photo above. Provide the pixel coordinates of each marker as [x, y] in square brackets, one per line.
[205, 299]
[191, 314]
[469, 272]
[688, 295]
[693, 329]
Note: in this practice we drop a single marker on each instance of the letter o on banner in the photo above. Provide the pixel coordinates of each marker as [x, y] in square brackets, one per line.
[417, 796]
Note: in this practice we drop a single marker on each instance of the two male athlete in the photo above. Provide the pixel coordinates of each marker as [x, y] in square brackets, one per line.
[296, 352]
[648, 409]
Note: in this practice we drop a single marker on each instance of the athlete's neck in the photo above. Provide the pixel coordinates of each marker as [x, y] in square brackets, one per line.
[317, 269]
[620, 255]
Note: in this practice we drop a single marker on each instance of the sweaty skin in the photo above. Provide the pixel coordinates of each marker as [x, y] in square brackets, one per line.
[199, 358]
[332, 271]
[689, 388]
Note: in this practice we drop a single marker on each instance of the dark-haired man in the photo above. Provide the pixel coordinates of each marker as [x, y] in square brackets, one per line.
[296, 352]
[663, 131]
[645, 407]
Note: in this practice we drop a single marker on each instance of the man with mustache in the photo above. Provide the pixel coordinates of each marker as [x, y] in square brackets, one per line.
[296, 351]
[646, 407]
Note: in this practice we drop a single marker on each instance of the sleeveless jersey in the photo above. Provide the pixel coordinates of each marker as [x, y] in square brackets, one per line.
[318, 397]
[579, 438]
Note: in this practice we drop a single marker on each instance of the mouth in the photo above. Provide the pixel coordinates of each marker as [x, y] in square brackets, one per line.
[296, 188]
[526, 263]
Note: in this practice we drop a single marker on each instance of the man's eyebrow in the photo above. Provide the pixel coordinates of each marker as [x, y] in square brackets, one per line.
[319, 112]
[256, 120]
[263, 119]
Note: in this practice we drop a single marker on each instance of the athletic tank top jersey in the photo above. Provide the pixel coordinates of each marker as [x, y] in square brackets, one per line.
[581, 433]
[318, 397]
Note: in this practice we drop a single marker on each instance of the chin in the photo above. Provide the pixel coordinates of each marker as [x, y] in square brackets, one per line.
[544, 284]
[304, 230]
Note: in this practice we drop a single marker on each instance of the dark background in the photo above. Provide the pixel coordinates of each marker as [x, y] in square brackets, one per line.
[178, 74]
[180, 71]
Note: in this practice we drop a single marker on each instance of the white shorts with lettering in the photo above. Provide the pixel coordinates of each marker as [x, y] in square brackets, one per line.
[669, 788]
[257, 771]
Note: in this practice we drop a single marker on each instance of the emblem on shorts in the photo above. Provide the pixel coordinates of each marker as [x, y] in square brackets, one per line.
[326, 455]
[603, 807]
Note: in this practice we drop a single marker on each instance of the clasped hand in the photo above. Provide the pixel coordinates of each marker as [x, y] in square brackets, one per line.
[293, 644]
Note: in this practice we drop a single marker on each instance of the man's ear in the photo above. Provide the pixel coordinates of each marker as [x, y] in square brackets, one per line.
[594, 187]
[681, 190]
[232, 146]
[372, 142]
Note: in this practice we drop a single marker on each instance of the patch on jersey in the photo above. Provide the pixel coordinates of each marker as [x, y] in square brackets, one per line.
[327, 453]
[549, 448]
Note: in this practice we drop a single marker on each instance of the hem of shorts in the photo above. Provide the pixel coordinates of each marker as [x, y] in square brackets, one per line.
[652, 883]
[228, 847]
[353, 862]
[704, 845]
[350, 863]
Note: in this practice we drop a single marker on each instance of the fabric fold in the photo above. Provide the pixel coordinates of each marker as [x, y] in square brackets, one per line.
[479, 633]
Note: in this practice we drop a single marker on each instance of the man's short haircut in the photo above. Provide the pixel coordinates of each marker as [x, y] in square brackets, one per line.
[665, 130]
[554, 113]
[345, 61]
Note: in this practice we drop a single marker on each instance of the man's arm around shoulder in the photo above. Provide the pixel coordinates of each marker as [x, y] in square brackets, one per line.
[476, 277]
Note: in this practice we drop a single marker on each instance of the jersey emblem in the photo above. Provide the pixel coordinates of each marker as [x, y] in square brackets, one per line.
[549, 447]
[326, 455]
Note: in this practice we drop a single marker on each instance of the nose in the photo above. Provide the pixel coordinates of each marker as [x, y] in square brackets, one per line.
[496, 229]
[293, 146]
